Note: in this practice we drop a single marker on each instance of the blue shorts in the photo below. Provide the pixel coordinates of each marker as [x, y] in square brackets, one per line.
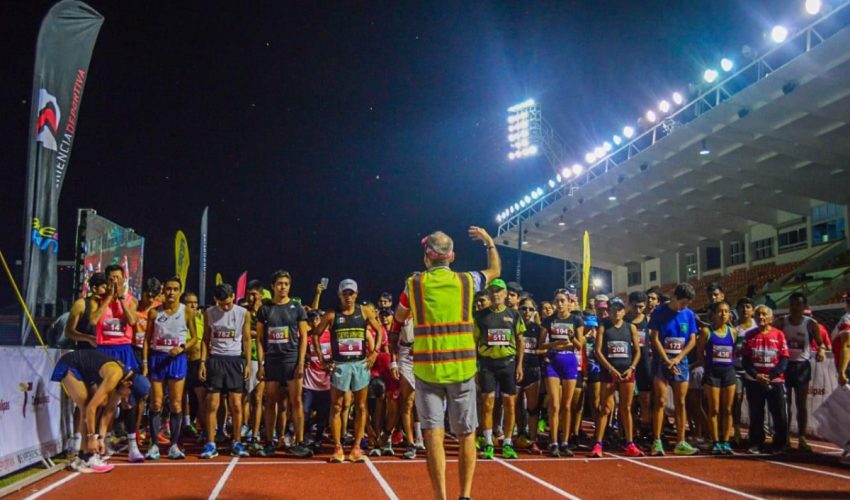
[123, 353]
[161, 366]
[562, 365]
[350, 376]
[61, 370]
[663, 373]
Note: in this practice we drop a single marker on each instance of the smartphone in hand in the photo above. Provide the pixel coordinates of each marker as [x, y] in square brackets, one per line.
[324, 282]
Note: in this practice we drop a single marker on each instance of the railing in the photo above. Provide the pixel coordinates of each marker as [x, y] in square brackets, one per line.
[801, 42]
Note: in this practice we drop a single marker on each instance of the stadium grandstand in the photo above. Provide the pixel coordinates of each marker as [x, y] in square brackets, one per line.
[743, 184]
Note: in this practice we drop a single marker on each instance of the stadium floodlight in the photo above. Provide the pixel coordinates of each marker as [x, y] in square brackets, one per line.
[813, 7]
[678, 99]
[558, 177]
[566, 173]
[703, 150]
[516, 206]
[521, 106]
[726, 64]
[532, 150]
[779, 33]
[590, 158]
[607, 146]
[522, 203]
[618, 140]
[612, 196]
[499, 218]
[534, 194]
[551, 184]
[512, 210]
[650, 116]
[527, 199]
[597, 282]
[628, 132]
[710, 75]
[511, 156]
[664, 106]
[577, 169]
[540, 191]
[599, 152]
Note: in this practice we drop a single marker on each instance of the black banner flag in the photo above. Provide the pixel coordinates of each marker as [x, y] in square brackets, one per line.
[65, 43]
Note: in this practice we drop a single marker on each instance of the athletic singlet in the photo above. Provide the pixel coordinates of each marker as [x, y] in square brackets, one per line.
[797, 338]
[529, 344]
[348, 336]
[719, 350]
[618, 345]
[142, 325]
[561, 329]
[498, 332]
[643, 338]
[405, 334]
[88, 364]
[226, 329]
[739, 343]
[281, 338]
[113, 328]
[169, 331]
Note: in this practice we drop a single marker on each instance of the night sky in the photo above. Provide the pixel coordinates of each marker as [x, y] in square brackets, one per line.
[328, 138]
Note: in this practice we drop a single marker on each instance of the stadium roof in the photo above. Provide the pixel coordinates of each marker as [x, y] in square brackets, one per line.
[777, 147]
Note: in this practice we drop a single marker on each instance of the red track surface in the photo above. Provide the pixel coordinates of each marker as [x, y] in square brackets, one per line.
[794, 476]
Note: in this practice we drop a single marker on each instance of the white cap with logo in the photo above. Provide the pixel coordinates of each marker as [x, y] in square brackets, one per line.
[348, 284]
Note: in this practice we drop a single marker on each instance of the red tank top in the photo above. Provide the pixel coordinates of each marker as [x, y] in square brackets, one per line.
[113, 328]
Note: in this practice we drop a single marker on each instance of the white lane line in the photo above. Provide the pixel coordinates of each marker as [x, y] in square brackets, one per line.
[52, 487]
[692, 479]
[223, 479]
[537, 480]
[809, 469]
[383, 482]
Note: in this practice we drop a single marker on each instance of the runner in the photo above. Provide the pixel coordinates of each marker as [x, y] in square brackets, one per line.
[151, 289]
[498, 332]
[225, 365]
[562, 335]
[282, 329]
[643, 370]
[618, 352]
[386, 413]
[673, 328]
[94, 380]
[352, 354]
[317, 385]
[765, 356]
[546, 310]
[79, 328]
[439, 301]
[653, 300]
[799, 332]
[482, 300]
[716, 354]
[515, 293]
[252, 402]
[171, 331]
[529, 386]
[195, 388]
[746, 323]
[385, 301]
[402, 370]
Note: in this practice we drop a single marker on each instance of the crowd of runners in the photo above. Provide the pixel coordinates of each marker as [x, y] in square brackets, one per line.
[269, 375]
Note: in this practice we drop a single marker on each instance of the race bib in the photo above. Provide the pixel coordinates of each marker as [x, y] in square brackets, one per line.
[674, 345]
[642, 337]
[166, 343]
[223, 333]
[112, 327]
[139, 339]
[498, 337]
[530, 344]
[764, 358]
[618, 349]
[326, 351]
[721, 354]
[350, 347]
[560, 332]
[796, 344]
[278, 335]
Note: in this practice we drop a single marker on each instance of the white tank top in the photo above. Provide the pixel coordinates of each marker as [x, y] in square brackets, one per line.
[797, 338]
[169, 331]
[406, 333]
[226, 329]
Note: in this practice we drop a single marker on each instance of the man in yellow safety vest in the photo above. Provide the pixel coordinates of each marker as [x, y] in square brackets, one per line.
[439, 301]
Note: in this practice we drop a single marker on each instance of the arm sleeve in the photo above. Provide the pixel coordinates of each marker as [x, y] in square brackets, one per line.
[779, 368]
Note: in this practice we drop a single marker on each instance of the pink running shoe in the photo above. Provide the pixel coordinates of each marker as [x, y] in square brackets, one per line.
[596, 452]
[633, 451]
[99, 466]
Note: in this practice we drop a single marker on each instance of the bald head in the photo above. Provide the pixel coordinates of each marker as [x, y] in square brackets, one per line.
[439, 249]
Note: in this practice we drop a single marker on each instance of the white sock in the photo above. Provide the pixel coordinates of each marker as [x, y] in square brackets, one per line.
[417, 431]
[131, 436]
[186, 419]
[488, 436]
[77, 442]
[508, 441]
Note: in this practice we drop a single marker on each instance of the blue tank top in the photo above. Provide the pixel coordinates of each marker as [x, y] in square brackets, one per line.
[720, 350]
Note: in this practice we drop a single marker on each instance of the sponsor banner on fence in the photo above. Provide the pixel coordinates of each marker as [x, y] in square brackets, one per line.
[30, 407]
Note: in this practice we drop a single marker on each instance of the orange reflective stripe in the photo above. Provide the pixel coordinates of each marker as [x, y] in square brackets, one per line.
[444, 356]
[443, 329]
[418, 295]
[466, 297]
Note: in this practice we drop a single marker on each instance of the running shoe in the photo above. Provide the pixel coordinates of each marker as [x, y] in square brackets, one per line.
[657, 448]
[409, 453]
[565, 450]
[596, 452]
[755, 450]
[541, 426]
[78, 465]
[845, 459]
[397, 438]
[523, 442]
[97, 465]
[480, 443]
[803, 446]
[266, 451]
[192, 429]
[110, 447]
[554, 451]
[356, 455]
[209, 451]
[633, 451]
[727, 448]
[375, 452]
[245, 430]
[338, 456]
[388, 450]
[287, 442]
[201, 439]
[301, 451]
[153, 453]
[684, 448]
[508, 452]
[488, 453]
[534, 449]
[420, 445]
[135, 456]
[175, 453]
[238, 450]
[718, 449]
[162, 439]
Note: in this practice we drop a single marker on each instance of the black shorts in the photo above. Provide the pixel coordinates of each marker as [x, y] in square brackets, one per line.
[720, 376]
[798, 374]
[594, 376]
[531, 374]
[139, 355]
[643, 375]
[497, 372]
[280, 370]
[192, 375]
[225, 374]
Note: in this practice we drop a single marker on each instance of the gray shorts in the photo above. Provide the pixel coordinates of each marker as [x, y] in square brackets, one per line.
[405, 364]
[459, 398]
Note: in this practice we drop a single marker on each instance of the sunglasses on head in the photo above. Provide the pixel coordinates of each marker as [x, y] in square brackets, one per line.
[526, 309]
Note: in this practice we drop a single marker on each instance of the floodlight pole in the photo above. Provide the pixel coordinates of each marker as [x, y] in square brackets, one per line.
[519, 255]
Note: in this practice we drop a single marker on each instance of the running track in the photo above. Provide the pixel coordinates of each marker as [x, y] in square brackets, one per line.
[615, 476]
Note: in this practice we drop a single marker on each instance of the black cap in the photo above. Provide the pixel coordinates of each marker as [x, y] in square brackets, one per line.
[514, 286]
[98, 279]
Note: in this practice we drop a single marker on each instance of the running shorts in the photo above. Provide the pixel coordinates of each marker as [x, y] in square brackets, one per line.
[643, 375]
[562, 365]
[405, 364]
[123, 353]
[531, 374]
[798, 374]
[350, 376]
[497, 372]
[663, 373]
[720, 376]
[161, 367]
[225, 374]
[280, 370]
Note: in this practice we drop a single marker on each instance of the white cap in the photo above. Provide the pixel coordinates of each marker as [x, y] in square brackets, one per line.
[348, 284]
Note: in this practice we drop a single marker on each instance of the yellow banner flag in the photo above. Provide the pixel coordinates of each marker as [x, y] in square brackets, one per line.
[181, 257]
[218, 279]
[585, 269]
